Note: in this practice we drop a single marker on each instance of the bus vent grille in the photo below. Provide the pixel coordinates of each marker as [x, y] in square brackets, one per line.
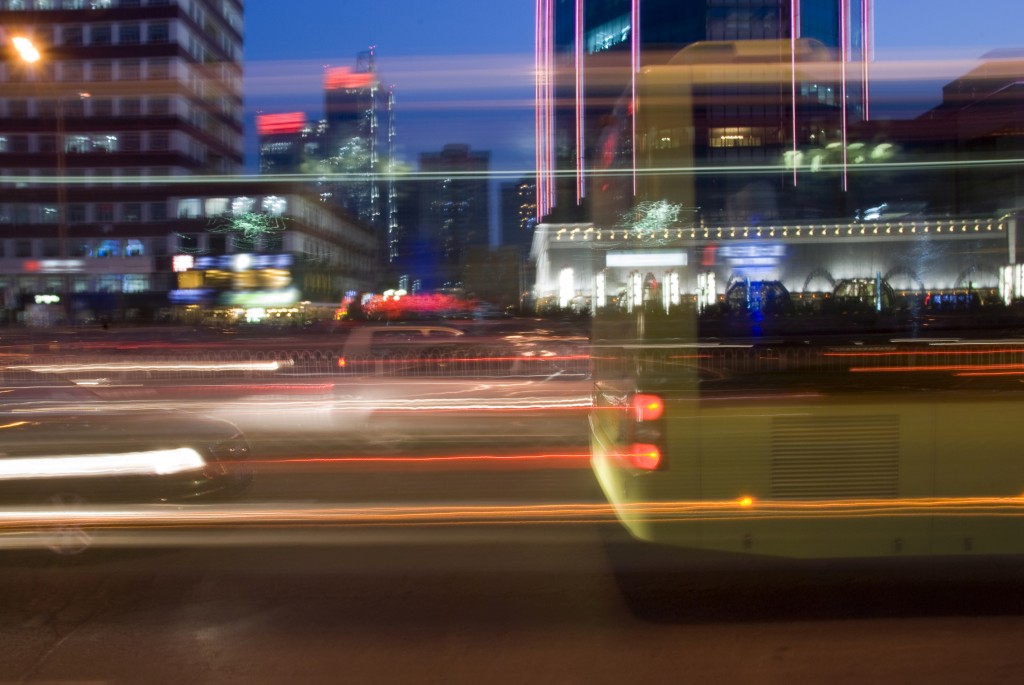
[824, 457]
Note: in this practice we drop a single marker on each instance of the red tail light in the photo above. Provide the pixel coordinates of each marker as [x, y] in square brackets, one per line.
[644, 444]
[643, 456]
[648, 407]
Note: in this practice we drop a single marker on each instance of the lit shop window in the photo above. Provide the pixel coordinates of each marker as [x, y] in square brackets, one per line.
[109, 248]
[135, 283]
[216, 206]
[188, 209]
[134, 248]
[242, 205]
[275, 206]
[110, 283]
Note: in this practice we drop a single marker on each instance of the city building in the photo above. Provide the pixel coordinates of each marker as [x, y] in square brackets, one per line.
[518, 211]
[591, 58]
[349, 154]
[454, 208]
[219, 245]
[103, 106]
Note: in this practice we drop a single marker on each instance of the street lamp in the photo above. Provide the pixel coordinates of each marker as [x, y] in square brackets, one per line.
[26, 50]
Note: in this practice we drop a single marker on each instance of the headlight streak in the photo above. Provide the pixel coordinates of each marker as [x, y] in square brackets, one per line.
[249, 516]
[154, 366]
[156, 462]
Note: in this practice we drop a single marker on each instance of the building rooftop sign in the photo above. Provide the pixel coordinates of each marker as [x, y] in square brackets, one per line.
[275, 124]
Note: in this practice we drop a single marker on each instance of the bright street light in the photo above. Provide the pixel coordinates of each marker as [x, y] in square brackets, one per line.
[26, 50]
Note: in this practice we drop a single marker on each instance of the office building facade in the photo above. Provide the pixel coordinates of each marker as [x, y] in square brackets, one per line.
[125, 96]
[591, 59]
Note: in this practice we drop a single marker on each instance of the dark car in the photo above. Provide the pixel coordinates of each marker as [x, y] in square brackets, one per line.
[62, 446]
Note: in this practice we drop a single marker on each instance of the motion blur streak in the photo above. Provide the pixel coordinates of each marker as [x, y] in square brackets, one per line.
[556, 513]
[155, 366]
[938, 367]
[424, 460]
[160, 462]
[924, 353]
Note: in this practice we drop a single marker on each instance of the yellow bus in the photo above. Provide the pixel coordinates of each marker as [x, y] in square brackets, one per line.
[818, 433]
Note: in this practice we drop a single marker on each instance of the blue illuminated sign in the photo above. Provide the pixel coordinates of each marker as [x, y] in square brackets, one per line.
[244, 262]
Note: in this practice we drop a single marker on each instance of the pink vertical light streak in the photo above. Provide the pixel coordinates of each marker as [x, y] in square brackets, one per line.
[794, 14]
[634, 63]
[844, 9]
[581, 190]
[544, 150]
[867, 20]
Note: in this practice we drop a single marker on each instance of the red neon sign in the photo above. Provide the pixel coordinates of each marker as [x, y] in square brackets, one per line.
[343, 77]
[271, 124]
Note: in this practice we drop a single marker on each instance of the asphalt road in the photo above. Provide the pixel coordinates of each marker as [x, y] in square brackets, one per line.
[545, 610]
[552, 600]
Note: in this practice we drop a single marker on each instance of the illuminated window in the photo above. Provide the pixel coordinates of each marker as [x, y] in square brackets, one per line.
[104, 143]
[275, 206]
[134, 248]
[135, 283]
[216, 206]
[109, 248]
[109, 283]
[242, 205]
[743, 136]
[188, 209]
[608, 35]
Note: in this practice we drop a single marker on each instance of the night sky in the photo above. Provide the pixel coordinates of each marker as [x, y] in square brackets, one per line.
[462, 69]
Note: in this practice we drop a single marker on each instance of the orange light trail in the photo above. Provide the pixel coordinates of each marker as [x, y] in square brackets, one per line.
[582, 456]
[242, 515]
[937, 367]
[924, 353]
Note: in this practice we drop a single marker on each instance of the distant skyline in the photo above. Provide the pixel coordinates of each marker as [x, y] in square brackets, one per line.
[463, 69]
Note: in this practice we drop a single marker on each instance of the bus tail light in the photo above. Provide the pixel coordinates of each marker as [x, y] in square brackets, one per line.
[647, 407]
[644, 446]
[643, 456]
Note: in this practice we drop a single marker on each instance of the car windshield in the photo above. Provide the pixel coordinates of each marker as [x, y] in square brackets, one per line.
[511, 341]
